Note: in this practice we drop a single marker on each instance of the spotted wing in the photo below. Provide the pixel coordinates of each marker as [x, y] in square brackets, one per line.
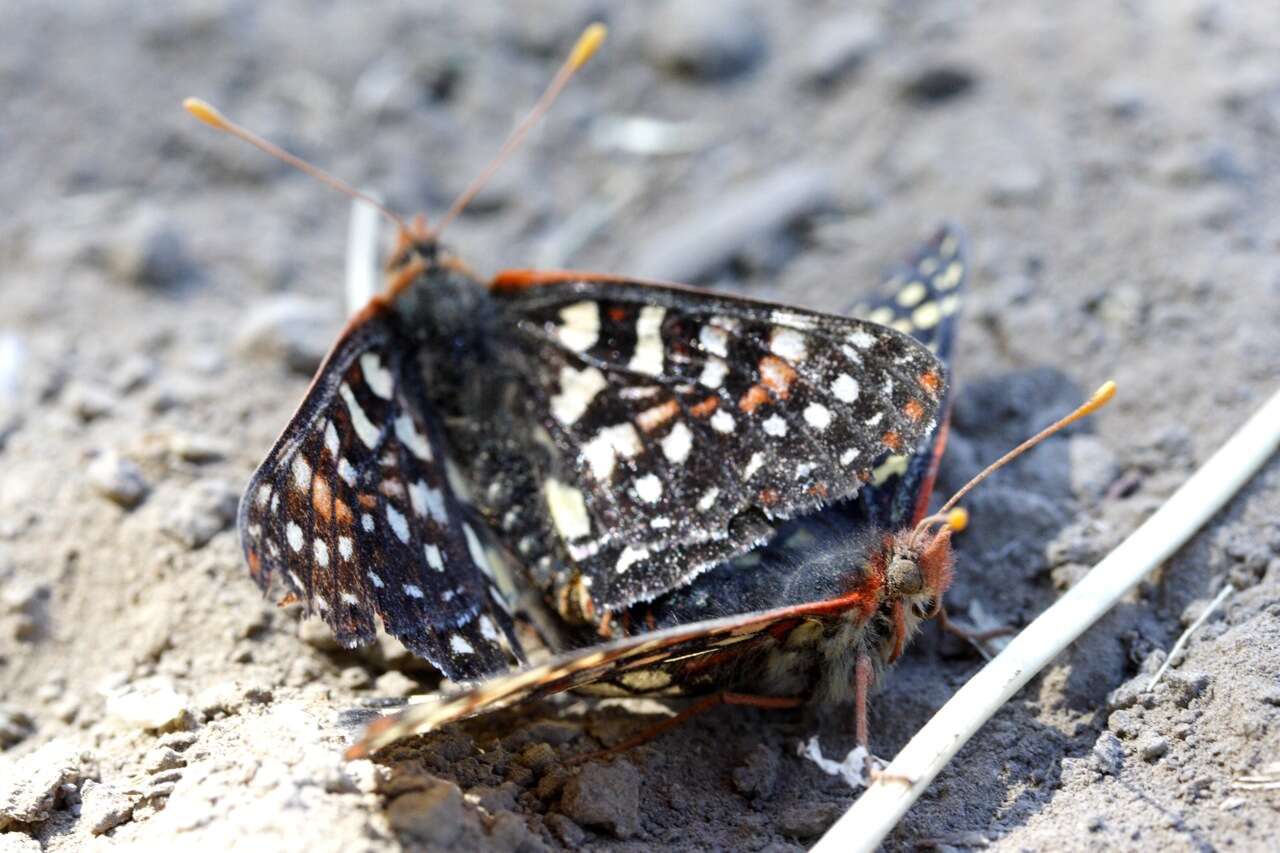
[353, 511]
[685, 421]
[646, 664]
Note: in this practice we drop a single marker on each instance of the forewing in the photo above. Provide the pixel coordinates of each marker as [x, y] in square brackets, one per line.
[684, 420]
[644, 664]
[353, 511]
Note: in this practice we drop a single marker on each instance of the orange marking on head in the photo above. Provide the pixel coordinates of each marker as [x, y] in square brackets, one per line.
[936, 563]
[892, 440]
[913, 410]
[777, 376]
[705, 408]
[368, 501]
[931, 382]
[755, 397]
[405, 277]
[342, 512]
[321, 498]
[651, 419]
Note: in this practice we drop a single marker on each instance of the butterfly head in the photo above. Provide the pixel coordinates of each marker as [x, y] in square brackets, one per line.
[918, 568]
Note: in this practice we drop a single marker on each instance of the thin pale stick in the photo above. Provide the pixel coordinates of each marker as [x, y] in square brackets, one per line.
[1186, 635]
[588, 43]
[210, 115]
[878, 810]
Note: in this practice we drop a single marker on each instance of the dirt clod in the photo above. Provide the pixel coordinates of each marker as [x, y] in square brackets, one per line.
[606, 796]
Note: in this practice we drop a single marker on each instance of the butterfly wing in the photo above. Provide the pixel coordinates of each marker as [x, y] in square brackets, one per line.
[646, 664]
[353, 510]
[685, 421]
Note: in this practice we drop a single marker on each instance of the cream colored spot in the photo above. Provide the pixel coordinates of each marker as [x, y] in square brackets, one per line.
[722, 421]
[602, 452]
[377, 377]
[460, 646]
[348, 598]
[845, 388]
[487, 629]
[577, 389]
[649, 489]
[407, 432]
[713, 372]
[912, 295]
[927, 315]
[861, 338]
[714, 340]
[629, 557]
[579, 327]
[434, 558]
[951, 276]
[321, 551]
[817, 416]
[346, 472]
[894, 465]
[412, 590]
[708, 499]
[788, 344]
[903, 326]
[757, 460]
[678, 443]
[475, 549]
[949, 305]
[928, 266]
[882, 315]
[345, 547]
[775, 426]
[331, 439]
[849, 455]
[301, 474]
[365, 429]
[398, 523]
[293, 533]
[875, 419]
[649, 355]
[375, 580]
[568, 509]
[366, 521]
[949, 246]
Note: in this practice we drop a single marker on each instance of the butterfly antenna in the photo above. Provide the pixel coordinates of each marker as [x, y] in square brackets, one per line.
[588, 43]
[210, 115]
[947, 515]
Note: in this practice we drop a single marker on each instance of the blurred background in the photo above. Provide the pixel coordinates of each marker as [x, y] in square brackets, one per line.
[166, 291]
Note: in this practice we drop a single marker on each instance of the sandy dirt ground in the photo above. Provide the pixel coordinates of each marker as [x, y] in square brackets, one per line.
[165, 293]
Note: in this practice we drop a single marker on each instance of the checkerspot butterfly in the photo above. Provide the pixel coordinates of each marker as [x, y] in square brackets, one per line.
[734, 492]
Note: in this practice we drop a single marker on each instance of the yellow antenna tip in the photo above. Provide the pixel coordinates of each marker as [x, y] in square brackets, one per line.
[958, 519]
[206, 112]
[1100, 398]
[588, 43]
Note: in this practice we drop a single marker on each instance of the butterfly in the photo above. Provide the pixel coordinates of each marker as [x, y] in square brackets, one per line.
[733, 493]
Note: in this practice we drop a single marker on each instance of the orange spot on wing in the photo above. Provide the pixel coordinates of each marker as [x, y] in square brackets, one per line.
[255, 564]
[618, 314]
[651, 419]
[913, 410]
[705, 408]
[290, 598]
[755, 397]
[777, 376]
[321, 498]
[931, 382]
[368, 501]
[342, 512]
[892, 440]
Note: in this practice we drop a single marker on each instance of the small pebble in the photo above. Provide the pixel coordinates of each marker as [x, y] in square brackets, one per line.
[149, 251]
[395, 683]
[706, 40]
[163, 758]
[804, 820]
[606, 796]
[565, 829]
[198, 448]
[1108, 754]
[118, 479]
[938, 83]
[103, 807]
[432, 817]
[15, 726]
[203, 510]
[758, 774]
[1152, 746]
[538, 756]
[89, 402]
[31, 786]
[1017, 185]
[151, 704]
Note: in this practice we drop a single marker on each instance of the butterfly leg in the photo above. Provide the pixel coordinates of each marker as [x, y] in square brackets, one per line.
[863, 674]
[974, 637]
[701, 706]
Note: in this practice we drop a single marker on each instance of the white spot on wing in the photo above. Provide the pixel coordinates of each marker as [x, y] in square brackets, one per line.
[678, 443]
[365, 429]
[375, 580]
[301, 473]
[331, 439]
[427, 501]
[722, 421]
[875, 419]
[609, 443]
[377, 377]
[407, 432]
[775, 426]
[413, 590]
[434, 558]
[818, 416]
[649, 488]
[845, 388]
[849, 455]
[788, 344]
[577, 389]
[345, 547]
[579, 326]
[757, 459]
[398, 523]
[861, 338]
[460, 646]
[348, 598]
[346, 472]
[648, 355]
[568, 509]
[475, 548]
[293, 533]
[487, 630]
[366, 521]
[708, 499]
[629, 557]
[713, 372]
[714, 340]
[321, 550]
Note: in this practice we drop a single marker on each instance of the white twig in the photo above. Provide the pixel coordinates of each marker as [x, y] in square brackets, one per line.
[362, 255]
[1186, 635]
[878, 810]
